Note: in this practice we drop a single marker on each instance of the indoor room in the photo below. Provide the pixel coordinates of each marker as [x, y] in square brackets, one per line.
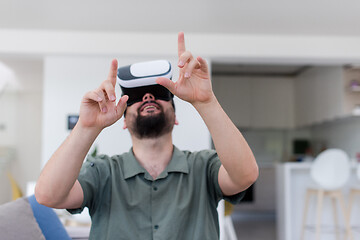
[287, 74]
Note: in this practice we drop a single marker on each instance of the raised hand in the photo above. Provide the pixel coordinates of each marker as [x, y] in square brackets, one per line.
[194, 84]
[98, 107]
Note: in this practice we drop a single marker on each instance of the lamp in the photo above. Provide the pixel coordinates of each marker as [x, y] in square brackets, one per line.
[7, 79]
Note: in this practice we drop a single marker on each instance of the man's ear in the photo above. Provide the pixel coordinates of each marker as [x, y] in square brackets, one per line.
[124, 126]
[176, 121]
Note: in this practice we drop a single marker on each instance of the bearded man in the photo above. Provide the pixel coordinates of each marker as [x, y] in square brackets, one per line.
[154, 191]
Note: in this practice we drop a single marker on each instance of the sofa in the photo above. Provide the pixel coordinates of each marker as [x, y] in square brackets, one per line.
[26, 219]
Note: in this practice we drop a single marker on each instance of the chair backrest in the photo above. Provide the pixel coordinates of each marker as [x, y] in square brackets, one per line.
[331, 169]
[48, 221]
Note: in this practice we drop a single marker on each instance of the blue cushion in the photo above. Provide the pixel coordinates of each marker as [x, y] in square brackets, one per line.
[48, 221]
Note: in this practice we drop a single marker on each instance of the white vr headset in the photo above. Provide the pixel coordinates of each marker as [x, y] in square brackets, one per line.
[138, 79]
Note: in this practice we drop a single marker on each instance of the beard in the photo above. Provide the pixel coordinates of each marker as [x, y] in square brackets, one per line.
[153, 125]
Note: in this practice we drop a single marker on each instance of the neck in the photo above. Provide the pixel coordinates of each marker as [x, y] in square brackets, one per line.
[153, 154]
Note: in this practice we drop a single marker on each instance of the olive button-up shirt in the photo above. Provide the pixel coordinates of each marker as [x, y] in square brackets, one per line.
[125, 202]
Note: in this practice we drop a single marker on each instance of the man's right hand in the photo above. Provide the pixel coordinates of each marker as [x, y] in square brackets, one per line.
[98, 108]
[57, 186]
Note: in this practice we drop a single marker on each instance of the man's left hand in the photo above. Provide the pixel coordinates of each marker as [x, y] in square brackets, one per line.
[194, 84]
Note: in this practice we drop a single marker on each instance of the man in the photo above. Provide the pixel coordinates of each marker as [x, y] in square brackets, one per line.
[155, 191]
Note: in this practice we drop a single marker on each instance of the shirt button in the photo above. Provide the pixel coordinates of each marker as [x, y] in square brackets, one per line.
[156, 227]
[155, 188]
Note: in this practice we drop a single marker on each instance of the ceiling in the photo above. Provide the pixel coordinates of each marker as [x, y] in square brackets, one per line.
[253, 17]
[306, 17]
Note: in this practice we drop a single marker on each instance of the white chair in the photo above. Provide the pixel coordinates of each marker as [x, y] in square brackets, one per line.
[330, 171]
[229, 226]
[354, 191]
[227, 230]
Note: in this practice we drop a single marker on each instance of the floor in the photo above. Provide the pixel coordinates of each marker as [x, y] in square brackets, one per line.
[254, 226]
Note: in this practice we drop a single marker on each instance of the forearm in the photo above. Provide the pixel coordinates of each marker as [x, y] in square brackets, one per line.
[61, 171]
[233, 150]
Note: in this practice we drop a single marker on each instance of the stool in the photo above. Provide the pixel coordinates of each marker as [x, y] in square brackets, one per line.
[229, 226]
[330, 171]
[354, 191]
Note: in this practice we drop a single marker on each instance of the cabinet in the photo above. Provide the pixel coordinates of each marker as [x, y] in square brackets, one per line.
[256, 102]
[317, 95]
[323, 94]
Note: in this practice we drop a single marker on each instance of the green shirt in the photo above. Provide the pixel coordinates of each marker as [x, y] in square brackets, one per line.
[125, 202]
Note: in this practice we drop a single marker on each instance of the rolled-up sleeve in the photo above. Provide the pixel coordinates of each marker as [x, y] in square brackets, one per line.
[213, 167]
[89, 181]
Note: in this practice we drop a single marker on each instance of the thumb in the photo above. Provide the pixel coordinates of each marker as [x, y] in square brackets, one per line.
[121, 106]
[165, 82]
[203, 64]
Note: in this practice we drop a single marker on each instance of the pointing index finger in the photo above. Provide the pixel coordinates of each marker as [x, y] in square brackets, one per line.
[181, 43]
[113, 72]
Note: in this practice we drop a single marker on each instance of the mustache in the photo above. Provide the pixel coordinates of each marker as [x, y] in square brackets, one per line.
[153, 102]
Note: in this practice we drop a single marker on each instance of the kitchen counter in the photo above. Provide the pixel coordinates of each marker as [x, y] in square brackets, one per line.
[292, 180]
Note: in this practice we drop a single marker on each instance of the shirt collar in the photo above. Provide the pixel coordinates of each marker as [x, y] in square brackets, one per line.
[178, 163]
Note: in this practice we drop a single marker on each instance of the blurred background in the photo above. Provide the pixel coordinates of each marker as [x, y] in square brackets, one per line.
[286, 72]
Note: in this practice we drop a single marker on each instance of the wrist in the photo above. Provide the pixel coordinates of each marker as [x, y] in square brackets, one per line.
[206, 105]
[85, 131]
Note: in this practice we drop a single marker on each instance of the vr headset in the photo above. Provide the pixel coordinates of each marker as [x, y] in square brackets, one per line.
[138, 79]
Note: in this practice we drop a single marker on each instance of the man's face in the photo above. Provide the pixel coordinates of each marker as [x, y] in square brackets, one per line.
[150, 118]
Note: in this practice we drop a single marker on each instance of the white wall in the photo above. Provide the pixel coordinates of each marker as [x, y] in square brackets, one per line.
[8, 133]
[8, 108]
[21, 118]
[68, 78]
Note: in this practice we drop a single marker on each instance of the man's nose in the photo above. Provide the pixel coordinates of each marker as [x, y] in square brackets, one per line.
[148, 97]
